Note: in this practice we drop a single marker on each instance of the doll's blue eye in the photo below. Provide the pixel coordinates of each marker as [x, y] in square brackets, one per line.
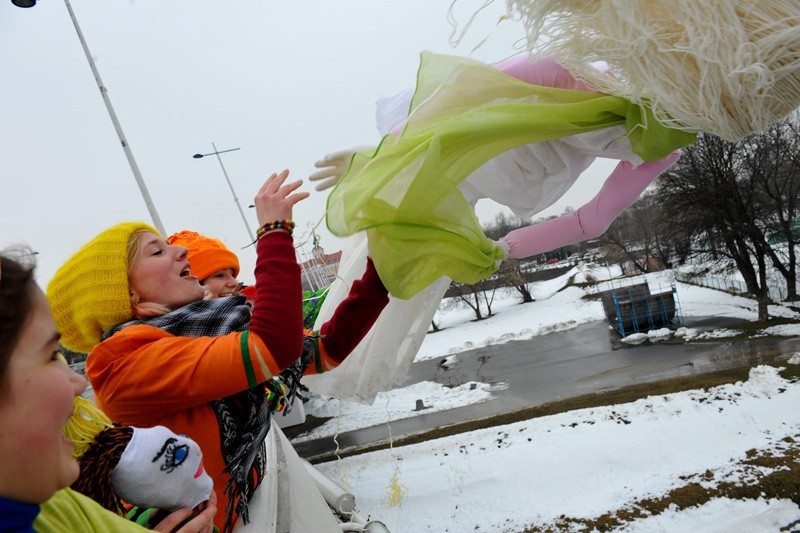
[181, 453]
[172, 455]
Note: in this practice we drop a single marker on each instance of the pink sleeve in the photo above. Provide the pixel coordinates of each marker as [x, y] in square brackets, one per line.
[620, 190]
[545, 72]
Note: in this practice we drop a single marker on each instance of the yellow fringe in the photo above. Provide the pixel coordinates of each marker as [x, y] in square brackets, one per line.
[84, 424]
[395, 492]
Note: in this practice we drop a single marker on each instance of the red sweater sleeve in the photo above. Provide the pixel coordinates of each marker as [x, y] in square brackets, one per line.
[278, 308]
[355, 315]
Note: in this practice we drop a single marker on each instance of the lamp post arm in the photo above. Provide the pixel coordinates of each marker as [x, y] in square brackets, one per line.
[233, 192]
[198, 156]
[125, 147]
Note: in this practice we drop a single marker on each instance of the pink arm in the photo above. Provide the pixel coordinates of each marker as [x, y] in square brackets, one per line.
[620, 190]
[545, 72]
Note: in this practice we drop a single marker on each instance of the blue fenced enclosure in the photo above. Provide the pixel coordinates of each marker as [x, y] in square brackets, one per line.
[631, 307]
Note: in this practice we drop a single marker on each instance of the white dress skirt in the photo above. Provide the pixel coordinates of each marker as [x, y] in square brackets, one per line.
[527, 179]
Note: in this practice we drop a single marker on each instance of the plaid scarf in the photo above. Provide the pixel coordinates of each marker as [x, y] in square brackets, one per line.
[206, 318]
[244, 418]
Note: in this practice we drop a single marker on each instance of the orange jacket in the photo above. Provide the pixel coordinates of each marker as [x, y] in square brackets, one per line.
[143, 376]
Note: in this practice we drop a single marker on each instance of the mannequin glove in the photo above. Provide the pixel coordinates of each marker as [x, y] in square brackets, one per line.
[334, 165]
[504, 246]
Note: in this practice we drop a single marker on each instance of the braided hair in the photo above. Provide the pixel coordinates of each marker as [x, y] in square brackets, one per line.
[98, 462]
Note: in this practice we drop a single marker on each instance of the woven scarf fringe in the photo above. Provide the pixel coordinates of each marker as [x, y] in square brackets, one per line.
[727, 67]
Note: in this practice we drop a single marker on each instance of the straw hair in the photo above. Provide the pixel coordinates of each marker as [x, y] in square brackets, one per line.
[727, 67]
[89, 294]
[84, 424]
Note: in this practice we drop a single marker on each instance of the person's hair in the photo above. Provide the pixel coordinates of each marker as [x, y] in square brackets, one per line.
[141, 309]
[16, 302]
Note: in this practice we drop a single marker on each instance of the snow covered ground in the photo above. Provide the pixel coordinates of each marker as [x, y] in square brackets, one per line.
[556, 471]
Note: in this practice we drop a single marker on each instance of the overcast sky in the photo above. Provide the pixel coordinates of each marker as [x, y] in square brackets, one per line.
[285, 81]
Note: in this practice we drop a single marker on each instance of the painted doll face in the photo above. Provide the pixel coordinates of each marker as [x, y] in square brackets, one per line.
[161, 469]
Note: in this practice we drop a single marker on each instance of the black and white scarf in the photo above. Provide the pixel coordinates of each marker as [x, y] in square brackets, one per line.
[244, 418]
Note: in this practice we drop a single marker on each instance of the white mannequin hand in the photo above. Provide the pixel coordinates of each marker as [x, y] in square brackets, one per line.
[334, 165]
[503, 246]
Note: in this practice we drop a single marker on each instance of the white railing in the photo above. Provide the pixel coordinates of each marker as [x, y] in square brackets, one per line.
[730, 285]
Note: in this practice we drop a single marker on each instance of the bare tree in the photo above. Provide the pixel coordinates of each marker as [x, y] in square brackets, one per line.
[470, 295]
[773, 159]
[510, 272]
[673, 245]
[488, 289]
[713, 197]
[476, 296]
[631, 237]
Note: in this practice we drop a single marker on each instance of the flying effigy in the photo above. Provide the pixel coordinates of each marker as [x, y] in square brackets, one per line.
[726, 67]
[508, 132]
[543, 127]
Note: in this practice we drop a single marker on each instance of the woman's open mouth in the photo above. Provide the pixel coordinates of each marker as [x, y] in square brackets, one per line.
[187, 273]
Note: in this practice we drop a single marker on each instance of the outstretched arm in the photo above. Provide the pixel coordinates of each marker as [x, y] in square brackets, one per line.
[621, 189]
[355, 315]
[277, 312]
[392, 110]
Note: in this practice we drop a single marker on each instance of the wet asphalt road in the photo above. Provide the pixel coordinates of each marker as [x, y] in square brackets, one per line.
[583, 360]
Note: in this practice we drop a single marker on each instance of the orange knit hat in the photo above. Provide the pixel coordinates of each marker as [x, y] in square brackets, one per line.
[206, 255]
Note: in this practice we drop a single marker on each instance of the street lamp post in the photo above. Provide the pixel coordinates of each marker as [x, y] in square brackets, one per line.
[230, 185]
[104, 93]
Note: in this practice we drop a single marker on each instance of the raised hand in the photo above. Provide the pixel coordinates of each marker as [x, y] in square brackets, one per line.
[274, 201]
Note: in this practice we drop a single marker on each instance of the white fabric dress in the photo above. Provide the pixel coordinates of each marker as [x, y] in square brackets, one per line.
[288, 498]
[526, 179]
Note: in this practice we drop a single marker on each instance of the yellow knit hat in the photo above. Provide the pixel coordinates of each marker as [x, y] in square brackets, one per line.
[89, 294]
[206, 255]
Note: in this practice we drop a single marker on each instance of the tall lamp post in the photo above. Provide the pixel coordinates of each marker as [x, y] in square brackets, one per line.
[104, 93]
[230, 185]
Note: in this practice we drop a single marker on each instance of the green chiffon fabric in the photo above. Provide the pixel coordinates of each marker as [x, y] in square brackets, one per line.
[405, 194]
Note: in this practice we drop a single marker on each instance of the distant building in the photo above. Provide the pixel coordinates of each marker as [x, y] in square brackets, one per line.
[320, 269]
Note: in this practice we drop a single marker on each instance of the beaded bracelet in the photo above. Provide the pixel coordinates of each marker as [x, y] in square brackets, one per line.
[287, 225]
